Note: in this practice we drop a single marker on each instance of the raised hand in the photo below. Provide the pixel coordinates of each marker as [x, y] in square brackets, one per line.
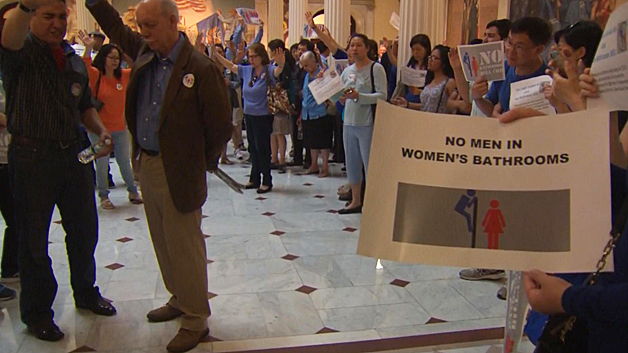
[454, 58]
[87, 40]
[309, 18]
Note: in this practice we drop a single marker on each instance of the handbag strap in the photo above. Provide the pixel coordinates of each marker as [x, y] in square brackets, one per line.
[616, 230]
[98, 84]
[373, 106]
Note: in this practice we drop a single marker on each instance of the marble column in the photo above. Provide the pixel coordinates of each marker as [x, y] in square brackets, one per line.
[296, 18]
[274, 26]
[420, 16]
[84, 19]
[338, 19]
[261, 6]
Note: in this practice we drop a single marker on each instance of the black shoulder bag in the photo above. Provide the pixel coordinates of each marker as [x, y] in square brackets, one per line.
[373, 106]
[98, 104]
[565, 333]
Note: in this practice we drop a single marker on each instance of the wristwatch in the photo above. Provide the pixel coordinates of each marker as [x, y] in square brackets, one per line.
[25, 9]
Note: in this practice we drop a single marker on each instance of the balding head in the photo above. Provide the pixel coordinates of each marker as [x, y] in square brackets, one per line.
[158, 21]
[308, 62]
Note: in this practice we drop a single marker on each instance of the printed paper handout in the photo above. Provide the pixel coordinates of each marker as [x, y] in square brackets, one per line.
[530, 94]
[308, 32]
[413, 77]
[5, 138]
[485, 60]
[610, 66]
[477, 193]
[327, 86]
[250, 16]
[395, 20]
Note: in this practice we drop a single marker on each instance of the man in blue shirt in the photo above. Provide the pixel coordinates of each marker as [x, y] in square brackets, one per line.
[527, 40]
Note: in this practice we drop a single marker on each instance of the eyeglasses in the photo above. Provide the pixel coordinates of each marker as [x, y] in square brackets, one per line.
[518, 47]
[432, 57]
[254, 79]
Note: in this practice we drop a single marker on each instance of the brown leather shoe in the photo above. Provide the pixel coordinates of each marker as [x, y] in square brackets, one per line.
[186, 340]
[165, 313]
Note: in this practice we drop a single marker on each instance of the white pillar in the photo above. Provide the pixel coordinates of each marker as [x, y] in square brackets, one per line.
[296, 18]
[338, 19]
[261, 6]
[275, 20]
[421, 16]
[84, 19]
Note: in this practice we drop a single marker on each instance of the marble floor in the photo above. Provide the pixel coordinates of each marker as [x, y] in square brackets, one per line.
[283, 272]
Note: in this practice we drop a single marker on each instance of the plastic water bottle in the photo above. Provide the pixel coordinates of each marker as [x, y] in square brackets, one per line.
[300, 133]
[87, 155]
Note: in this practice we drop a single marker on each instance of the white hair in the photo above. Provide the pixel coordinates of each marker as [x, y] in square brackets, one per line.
[308, 55]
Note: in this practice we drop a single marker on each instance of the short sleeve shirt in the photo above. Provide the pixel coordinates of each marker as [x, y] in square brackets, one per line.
[254, 89]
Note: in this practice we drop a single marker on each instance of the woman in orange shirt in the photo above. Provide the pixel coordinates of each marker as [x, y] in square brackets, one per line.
[108, 82]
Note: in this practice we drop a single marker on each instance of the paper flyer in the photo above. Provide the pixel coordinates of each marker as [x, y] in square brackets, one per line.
[5, 139]
[339, 64]
[395, 20]
[485, 60]
[610, 66]
[250, 16]
[480, 194]
[309, 32]
[413, 77]
[530, 94]
[327, 86]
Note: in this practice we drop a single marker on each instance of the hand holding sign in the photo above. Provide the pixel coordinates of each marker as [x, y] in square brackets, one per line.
[485, 60]
[480, 88]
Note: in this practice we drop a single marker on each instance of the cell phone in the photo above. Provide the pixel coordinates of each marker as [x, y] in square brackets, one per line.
[348, 90]
[560, 64]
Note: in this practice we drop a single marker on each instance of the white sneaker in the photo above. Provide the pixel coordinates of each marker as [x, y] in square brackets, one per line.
[238, 154]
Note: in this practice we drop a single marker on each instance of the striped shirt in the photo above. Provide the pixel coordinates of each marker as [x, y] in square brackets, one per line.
[43, 102]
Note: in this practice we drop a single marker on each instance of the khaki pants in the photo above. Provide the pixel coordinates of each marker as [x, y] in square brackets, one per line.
[179, 246]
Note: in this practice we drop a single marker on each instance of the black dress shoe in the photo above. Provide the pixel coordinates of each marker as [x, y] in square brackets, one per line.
[263, 191]
[47, 331]
[351, 210]
[99, 307]
[251, 186]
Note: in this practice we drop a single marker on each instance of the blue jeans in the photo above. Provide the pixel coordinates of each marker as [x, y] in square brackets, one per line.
[121, 148]
[42, 178]
[357, 140]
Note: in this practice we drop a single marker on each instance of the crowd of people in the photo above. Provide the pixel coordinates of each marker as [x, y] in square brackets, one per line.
[121, 96]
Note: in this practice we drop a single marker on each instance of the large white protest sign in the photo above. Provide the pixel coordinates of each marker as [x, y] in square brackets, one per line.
[530, 93]
[413, 77]
[471, 192]
[485, 60]
[5, 139]
[610, 66]
[339, 64]
[326, 87]
[250, 16]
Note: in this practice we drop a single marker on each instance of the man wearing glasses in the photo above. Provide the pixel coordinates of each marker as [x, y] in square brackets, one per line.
[527, 40]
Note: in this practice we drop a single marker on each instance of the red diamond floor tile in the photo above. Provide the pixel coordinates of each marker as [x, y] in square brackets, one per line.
[205, 236]
[434, 320]
[278, 233]
[333, 211]
[320, 196]
[306, 289]
[83, 349]
[211, 295]
[124, 240]
[210, 261]
[399, 283]
[261, 198]
[114, 266]
[57, 222]
[326, 330]
[308, 184]
[350, 229]
[132, 219]
[269, 214]
[290, 257]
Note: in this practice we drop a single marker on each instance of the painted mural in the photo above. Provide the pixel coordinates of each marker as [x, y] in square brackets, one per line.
[562, 13]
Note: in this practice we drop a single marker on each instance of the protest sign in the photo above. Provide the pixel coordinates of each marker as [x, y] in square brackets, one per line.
[209, 26]
[395, 20]
[250, 16]
[471, 192]
[5, 138]
[530, 93]
[327, 86]
[308, 32]
[413, 77]
[339, 64]
[610, 66]
[485, 60]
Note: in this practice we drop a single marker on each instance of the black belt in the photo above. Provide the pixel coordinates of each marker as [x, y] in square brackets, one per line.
[42, 144]
[150, 153]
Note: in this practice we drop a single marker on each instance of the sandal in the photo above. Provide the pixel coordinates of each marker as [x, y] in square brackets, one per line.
[106, 204]
[135, 199]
